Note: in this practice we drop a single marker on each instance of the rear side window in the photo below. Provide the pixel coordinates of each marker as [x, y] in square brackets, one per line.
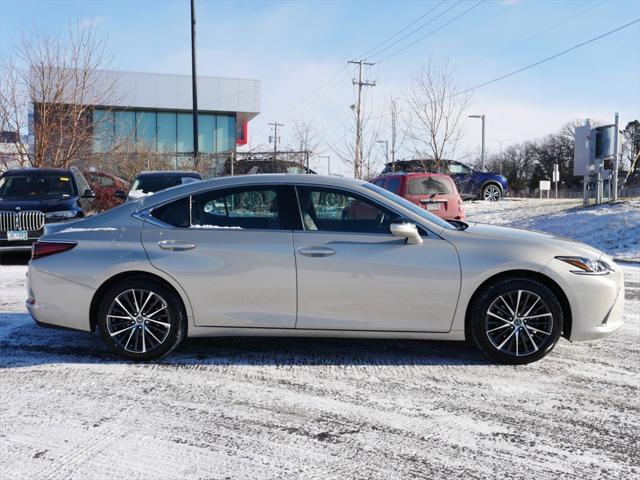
[428, 186]
[229, 209]
[254, 208]
[393, 185]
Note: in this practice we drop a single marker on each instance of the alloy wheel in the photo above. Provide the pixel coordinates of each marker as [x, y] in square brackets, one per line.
[519, 323]
[491, 193]
[138, 320]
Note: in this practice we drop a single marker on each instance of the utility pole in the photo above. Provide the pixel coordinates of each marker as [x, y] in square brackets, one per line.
[616, 161]
[275, 137]
[194, 84]
[357, 161]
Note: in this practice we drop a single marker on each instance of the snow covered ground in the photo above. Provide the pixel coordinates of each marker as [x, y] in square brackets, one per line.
[614, 229]
[321, 409]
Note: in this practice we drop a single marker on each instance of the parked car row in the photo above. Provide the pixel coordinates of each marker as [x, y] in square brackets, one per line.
[29, 198]
[32, 197]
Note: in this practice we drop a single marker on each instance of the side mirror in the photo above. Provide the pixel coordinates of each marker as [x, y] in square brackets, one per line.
[120, 194]
[88, 193]
[408, 230]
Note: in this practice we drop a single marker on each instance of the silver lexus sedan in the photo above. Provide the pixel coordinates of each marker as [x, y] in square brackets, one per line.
[306, 255]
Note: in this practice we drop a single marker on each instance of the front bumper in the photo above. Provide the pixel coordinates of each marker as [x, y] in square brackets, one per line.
[596, 301]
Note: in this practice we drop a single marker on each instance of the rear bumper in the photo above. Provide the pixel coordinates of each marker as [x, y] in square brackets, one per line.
[57, 302]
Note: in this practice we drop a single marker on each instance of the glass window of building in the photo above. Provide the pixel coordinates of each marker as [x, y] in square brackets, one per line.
[185, 133]
[206, 128]
[125, 127]
[102, 130]
[225, 137]
[146, 130]
[166, 132]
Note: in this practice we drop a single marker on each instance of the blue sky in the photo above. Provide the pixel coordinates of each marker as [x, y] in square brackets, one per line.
[294, 47]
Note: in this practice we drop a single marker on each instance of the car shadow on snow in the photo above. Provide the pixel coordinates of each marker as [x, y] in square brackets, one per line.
[23, 343]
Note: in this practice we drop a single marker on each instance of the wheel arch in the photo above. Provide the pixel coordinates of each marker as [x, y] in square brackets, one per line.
[491, 182]
[527, 274]
[98, 294]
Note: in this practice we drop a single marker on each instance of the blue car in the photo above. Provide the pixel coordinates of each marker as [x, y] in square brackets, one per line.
[472, 184]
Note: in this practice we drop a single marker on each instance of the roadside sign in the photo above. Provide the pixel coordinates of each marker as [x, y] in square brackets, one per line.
[582, 152]
[556, 173]
[545, 185]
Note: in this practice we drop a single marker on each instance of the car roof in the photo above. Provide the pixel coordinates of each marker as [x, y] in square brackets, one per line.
[168, 173]
[38, 171]
[241, 180]
[414, 174]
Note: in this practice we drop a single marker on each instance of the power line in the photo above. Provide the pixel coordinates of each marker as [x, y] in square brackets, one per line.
[402, 49]
[420, 27]
[288, 114]
[535, 34]
[364, 55]
[544, 60]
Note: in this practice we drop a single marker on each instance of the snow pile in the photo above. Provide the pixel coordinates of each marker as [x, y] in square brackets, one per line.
[614, 229]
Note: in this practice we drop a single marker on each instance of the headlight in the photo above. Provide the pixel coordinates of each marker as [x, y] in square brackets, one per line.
[587, 266]
[62, 214]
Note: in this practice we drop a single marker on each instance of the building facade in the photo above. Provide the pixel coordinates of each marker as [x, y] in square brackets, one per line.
[152, 114]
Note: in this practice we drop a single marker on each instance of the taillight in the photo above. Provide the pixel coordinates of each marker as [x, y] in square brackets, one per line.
[44, 249]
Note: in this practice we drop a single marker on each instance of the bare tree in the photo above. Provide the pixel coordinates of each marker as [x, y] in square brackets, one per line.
[50, 86]
[437, 112]
[345, 148]
[305, 138]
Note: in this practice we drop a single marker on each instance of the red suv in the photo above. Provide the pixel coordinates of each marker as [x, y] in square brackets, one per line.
[434, 192]
[105, 186]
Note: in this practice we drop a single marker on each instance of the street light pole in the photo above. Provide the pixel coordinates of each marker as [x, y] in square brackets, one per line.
[501, 155]
[386, 149]
[482, 152]
[194, 83]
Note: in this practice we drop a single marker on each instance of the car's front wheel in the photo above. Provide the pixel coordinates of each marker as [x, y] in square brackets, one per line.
[141, 319]
[491, 193]
[516, 320]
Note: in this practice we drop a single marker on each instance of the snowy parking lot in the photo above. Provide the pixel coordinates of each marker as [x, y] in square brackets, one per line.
[324, 409]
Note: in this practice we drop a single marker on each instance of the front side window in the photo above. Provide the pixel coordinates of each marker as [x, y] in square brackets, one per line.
[324, 209]
[458, 168]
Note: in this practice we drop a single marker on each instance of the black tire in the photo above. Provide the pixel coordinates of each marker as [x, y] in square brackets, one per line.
[162, 331]
[491, 192]
[530, 338]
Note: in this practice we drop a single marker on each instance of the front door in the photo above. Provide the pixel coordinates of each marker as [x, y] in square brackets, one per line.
[232, 252]
[354, 275]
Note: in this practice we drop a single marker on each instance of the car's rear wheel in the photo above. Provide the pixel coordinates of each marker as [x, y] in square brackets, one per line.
[516, 320]
[141, 319]
[491, 193]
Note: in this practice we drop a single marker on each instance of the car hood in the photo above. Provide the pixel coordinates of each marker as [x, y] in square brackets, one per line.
[42, 204]
[554, 244]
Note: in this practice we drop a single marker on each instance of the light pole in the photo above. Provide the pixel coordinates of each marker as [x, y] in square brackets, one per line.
[386, 149]
[482, 153]
[328, 163]
[501, 142]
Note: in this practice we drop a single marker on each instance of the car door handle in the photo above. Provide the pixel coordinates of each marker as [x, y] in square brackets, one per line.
[175, 245]
[316, 251]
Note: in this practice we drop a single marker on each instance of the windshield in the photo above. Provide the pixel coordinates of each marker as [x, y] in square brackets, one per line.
[36, 186]
[429, 186]
[410, 206]
[154, 184]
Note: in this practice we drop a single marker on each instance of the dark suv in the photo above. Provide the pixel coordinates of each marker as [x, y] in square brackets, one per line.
[31, 197]
[472, 184]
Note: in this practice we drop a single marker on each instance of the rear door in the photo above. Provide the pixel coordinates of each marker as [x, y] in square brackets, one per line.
[354, 275]
[232, 252]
